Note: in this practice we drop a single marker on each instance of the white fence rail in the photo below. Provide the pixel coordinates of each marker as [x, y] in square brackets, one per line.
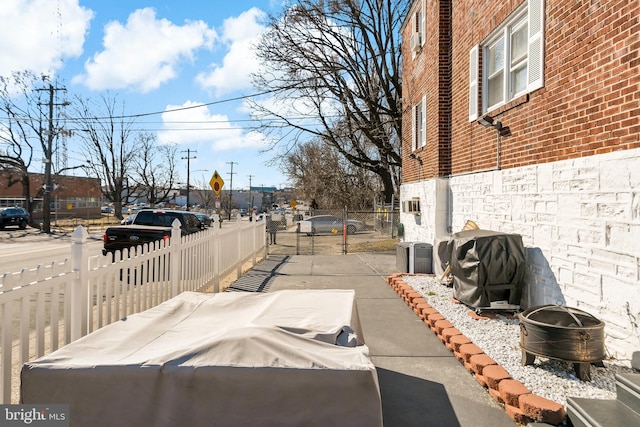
[44, 308]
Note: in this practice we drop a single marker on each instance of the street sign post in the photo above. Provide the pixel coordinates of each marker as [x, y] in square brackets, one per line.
[216, 183]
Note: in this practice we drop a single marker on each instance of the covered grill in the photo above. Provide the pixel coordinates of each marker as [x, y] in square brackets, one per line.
[488, 268]
[562, 333]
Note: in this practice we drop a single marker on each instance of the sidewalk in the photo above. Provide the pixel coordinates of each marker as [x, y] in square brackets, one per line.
[421, 382]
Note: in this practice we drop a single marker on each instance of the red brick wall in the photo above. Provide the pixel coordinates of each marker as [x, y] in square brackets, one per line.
[428, 73]
[590, 102]
[443, 19]
[67, 186]
[415, 78]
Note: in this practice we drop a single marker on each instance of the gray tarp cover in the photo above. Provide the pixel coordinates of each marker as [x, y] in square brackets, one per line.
[287, 358]
[487, 266]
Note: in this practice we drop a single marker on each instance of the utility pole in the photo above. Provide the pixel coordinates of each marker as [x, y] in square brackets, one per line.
[250, 195]
[188, 158]
[48, 154]
[231, 186]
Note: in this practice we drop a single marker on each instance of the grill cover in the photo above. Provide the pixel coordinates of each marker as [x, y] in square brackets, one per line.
[487, 266]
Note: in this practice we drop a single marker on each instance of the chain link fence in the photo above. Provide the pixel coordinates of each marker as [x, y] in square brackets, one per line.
[332, 231]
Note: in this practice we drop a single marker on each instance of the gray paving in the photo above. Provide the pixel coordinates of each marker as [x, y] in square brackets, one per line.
[259, 277]
[421, 382]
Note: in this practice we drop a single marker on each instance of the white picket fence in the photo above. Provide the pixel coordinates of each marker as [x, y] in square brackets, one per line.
[46, 307]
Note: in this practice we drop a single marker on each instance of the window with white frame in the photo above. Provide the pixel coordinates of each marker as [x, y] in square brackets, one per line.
[512, 60]
[419, 125]
[412, 206]
[418, 34]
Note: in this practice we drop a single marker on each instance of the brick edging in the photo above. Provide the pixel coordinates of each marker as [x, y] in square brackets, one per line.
[519, 403]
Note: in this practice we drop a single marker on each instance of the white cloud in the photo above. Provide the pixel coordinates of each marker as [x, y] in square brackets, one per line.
[144, 53]
[193, 123]
[240, 34]
[38, 35]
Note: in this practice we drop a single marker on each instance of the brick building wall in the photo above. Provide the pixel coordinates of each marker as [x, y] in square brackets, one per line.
[566, 178]
[66, 186]
[79, 196]
[416, 75]
[428, 75]
[590, 102]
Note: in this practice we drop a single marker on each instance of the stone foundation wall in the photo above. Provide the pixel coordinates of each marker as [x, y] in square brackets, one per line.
[580, 223]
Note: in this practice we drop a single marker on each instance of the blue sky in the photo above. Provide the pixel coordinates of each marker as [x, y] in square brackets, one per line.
[155, 56]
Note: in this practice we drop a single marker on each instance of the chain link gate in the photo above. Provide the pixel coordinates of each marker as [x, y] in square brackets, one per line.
[328, 231]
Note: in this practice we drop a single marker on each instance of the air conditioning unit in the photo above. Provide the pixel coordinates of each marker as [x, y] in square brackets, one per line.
[416, 42]
[421, 258]
[402, 257]
[414, 257]
[412, 206]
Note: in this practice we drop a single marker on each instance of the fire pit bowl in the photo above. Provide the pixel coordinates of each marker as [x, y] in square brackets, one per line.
[562, 333]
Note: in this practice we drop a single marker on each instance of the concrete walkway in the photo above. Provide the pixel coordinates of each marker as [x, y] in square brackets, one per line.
[421, 382]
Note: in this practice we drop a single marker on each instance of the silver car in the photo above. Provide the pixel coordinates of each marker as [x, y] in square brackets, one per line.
[331, 224]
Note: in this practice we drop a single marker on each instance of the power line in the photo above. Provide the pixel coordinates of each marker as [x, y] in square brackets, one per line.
[191, 107]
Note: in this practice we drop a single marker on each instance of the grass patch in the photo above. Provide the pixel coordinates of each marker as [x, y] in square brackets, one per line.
[387, 245]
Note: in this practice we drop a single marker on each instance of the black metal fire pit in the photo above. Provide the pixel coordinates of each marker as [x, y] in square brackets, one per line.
[562, 333]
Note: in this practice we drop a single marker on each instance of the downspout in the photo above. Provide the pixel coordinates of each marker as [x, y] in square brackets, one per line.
[499, 152]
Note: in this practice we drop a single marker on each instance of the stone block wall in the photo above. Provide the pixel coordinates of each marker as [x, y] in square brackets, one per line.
[580, 223]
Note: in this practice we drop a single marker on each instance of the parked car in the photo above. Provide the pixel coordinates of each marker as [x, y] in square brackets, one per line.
[331, 224]
[14, 216]
[106, 209]
[129, 219]
[204, 218]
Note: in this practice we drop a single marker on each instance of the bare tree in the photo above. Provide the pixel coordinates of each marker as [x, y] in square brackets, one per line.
[204, 193]
[154, 168]
[336, 65]
[108, 143]
[329, 179]
[23, 131]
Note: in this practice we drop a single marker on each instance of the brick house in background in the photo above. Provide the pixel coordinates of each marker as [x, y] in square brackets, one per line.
[73, 196]
[524, 116]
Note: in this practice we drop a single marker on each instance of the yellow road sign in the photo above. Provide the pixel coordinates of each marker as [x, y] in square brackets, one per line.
[216, 183]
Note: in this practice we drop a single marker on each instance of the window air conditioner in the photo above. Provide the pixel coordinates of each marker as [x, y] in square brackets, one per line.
[415, 42]
[412, 206]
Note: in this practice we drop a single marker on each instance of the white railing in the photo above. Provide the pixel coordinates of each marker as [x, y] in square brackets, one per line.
[44, 308]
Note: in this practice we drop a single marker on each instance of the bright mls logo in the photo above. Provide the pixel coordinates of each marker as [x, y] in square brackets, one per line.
[34, 415]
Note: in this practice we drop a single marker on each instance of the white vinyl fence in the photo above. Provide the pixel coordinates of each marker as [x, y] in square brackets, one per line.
[44, 308]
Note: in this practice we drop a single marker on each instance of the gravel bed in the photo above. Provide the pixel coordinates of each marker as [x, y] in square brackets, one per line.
[499, 339]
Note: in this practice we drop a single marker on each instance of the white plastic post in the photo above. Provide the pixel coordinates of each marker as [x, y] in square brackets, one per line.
[216, 260]
[80, 289]
[239, 249]
[175, 253]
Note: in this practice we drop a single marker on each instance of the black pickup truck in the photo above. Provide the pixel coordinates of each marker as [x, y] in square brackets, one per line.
[148, 226]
